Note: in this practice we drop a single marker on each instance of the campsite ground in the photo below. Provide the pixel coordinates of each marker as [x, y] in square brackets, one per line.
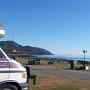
[53, 77]
[58, 77]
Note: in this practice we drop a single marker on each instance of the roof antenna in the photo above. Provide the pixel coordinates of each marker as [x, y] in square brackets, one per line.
[12, 46]
[12, 40]
[13, 35]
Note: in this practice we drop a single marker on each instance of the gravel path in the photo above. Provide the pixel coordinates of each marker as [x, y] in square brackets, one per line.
[41, 69]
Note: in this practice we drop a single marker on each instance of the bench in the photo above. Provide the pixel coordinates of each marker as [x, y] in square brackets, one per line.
[33, 76]
[29, 75]
[34, 61]
[50, 62]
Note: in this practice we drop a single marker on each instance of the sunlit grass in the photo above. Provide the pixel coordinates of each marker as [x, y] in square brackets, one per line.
[50, 82]
[22, 60]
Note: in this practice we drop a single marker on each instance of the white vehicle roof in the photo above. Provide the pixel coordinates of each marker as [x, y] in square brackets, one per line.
[2, 31]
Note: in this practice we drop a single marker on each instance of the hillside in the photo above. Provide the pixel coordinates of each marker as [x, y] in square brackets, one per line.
[12, 47]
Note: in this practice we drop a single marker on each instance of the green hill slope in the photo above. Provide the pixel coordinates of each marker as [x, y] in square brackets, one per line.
[10, 46]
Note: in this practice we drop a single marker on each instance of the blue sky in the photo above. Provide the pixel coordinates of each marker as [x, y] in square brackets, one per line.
[60, 26]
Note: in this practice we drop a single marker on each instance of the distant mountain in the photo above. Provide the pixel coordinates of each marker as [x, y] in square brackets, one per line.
[11, 47]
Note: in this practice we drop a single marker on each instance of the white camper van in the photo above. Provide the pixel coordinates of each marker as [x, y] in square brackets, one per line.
[13, 75]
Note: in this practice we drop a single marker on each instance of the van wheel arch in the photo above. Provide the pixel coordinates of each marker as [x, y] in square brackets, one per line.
[11, 85]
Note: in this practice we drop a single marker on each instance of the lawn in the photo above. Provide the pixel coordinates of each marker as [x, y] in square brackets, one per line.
[49, 82]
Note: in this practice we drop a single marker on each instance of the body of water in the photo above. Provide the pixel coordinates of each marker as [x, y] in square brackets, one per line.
[57, 57]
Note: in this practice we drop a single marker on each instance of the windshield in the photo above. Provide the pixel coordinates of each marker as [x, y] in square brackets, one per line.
[5, 55]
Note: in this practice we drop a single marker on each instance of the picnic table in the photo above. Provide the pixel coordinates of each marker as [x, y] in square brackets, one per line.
[34, 61]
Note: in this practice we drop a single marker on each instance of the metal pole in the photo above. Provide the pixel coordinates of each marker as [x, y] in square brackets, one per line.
[84, 51]
[84, 60]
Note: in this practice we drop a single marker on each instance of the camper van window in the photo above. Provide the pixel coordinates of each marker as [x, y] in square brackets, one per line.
[1, 55]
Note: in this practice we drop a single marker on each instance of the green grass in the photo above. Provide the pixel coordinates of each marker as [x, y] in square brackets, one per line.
[22, 60]
[65, 88]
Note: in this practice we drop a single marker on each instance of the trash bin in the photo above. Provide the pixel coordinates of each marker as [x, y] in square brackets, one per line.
[73, 65]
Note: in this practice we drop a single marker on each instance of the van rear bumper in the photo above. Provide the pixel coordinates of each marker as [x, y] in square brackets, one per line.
[24, 86]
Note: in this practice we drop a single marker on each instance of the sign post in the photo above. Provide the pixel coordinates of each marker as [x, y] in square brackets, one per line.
[84, 51]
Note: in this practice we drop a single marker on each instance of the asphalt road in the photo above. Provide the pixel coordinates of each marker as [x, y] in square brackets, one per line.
[77, 74]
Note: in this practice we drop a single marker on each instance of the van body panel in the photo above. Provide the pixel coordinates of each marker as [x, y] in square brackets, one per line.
[11, 70]
[4, 67]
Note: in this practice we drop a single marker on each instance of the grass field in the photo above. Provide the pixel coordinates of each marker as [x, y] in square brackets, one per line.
[50, 82]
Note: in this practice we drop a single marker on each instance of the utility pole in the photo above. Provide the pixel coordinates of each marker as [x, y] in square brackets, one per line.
[84, 51]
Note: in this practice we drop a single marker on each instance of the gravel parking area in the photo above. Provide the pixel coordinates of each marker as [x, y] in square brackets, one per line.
[57, 71]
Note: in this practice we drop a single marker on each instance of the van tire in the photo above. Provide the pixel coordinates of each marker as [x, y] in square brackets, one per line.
[8, 87]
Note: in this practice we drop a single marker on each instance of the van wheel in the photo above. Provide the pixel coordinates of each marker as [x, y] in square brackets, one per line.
[8, 87]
